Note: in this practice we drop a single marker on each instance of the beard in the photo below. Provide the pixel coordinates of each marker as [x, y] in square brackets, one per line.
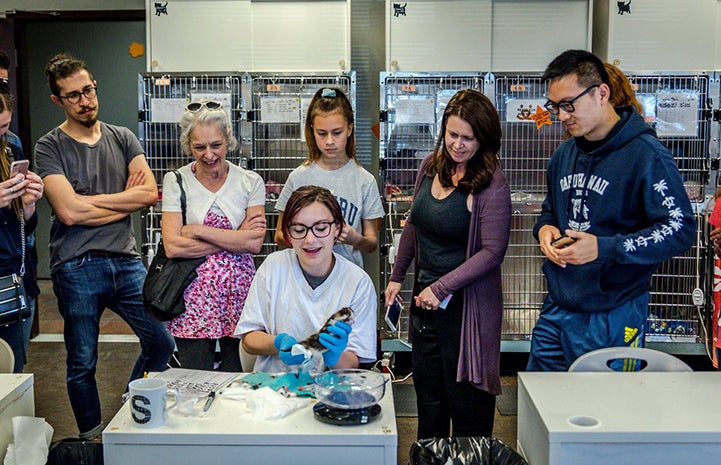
[89, 123]
[88, 119]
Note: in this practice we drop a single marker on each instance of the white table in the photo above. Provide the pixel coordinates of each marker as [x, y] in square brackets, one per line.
[228, 434]
[615, 418]
[17, 398]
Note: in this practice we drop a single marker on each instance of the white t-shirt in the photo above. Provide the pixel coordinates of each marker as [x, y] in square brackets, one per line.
[280, 300]
[354, 187]
[242, 189]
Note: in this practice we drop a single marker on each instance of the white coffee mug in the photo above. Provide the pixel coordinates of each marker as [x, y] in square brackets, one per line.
[149, 402]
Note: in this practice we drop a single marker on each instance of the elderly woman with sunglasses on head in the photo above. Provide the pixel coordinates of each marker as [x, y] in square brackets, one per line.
[225, 215]
[296, 290]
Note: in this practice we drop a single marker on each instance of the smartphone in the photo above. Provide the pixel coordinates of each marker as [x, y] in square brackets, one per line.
[19, 166]
[393, 315]
[563, 241]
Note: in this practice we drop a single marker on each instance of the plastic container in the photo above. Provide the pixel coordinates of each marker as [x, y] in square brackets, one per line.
[350, 389]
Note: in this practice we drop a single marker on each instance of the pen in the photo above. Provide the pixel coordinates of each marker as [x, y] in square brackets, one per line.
[209, 402]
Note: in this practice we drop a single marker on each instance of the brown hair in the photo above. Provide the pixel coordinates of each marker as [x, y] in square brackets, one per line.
[304, 196]
[62, 66]
[621, 90]
[327, 100]
[478, 111]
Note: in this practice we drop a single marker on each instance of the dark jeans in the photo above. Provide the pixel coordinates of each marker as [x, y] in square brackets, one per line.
[199, 354]
[85, 286]
[11, 334]
[436, 336]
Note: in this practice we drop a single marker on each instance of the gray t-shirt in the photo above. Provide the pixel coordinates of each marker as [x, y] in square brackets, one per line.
[101, 168]
[354, 187]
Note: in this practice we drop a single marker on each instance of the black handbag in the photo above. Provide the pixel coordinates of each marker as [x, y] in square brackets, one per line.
[168, 278]
[13, 304]
[13, 300]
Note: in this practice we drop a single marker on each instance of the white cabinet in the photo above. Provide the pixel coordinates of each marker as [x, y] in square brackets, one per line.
[234, 35]
[483, 35]
[527, 35]
[438, 35]
[657, 35]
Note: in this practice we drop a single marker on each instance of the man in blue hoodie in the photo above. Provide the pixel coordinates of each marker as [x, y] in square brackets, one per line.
[615, 191]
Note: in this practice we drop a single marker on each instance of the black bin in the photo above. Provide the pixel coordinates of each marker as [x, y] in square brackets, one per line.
[75, 452]
[464, 450]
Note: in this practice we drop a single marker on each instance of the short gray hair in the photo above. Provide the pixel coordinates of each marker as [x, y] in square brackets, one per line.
[219, 118]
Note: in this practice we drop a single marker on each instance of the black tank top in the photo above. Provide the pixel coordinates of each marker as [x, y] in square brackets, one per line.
[441, 231]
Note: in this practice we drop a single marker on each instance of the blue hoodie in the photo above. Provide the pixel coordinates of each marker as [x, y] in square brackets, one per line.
[629, 194]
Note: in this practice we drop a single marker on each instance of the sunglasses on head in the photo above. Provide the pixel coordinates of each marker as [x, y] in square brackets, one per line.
[210, 105]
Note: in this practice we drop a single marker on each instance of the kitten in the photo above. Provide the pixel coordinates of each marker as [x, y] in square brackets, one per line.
[312, 342]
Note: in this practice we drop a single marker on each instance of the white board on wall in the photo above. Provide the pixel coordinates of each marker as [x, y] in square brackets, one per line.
[245, 35]
[527, 35]
[292, 35]
[438, 35]
[657, 35]
[202, 36]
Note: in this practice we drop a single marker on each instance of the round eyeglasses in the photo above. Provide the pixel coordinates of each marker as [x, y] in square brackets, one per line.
[566, 105]
[89, 92]
[197, 106]
[320, 229]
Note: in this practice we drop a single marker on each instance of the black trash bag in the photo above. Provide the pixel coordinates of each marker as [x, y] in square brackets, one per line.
[463, 451]
[75, 452]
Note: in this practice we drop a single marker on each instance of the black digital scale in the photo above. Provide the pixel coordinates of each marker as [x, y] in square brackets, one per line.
[345, 417]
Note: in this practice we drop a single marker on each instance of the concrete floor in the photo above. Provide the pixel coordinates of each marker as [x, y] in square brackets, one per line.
[46, 360]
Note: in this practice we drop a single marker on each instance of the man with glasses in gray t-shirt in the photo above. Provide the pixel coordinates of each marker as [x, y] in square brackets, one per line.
[95, 177]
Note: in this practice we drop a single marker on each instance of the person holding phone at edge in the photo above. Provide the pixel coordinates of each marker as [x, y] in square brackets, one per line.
[615, 189]
[95, 177]
[332, 163]
[457, 343]
[296, 290]
[225, 223]
[19, 192]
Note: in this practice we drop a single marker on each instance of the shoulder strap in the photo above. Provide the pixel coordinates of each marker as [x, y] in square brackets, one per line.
[182, 194]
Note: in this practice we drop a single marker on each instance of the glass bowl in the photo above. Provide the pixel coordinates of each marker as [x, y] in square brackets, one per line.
[350, 388]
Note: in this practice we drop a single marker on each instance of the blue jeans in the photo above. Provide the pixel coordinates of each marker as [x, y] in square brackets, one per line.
[85, 286]
[11, 335]
[561, 336]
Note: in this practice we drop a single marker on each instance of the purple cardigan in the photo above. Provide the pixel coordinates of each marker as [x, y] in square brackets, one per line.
[479, 276]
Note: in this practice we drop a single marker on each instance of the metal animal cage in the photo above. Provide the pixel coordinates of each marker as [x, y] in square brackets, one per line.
[677, 105]
[526, 148]
[273, 132]
[412, 107]
[161, 101]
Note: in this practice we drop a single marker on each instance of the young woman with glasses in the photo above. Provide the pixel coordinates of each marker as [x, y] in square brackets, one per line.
[297, 289]
[225, 223]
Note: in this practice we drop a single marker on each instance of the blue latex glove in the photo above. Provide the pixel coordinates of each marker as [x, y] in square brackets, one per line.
[283, 342]
[335, 340]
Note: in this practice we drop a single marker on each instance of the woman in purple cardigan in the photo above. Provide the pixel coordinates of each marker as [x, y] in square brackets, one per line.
[457, 232]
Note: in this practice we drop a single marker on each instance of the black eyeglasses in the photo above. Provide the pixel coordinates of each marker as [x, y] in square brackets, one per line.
[197, 106]
[4, 85]
[566, 105]
[320, 229]
[74, 97]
